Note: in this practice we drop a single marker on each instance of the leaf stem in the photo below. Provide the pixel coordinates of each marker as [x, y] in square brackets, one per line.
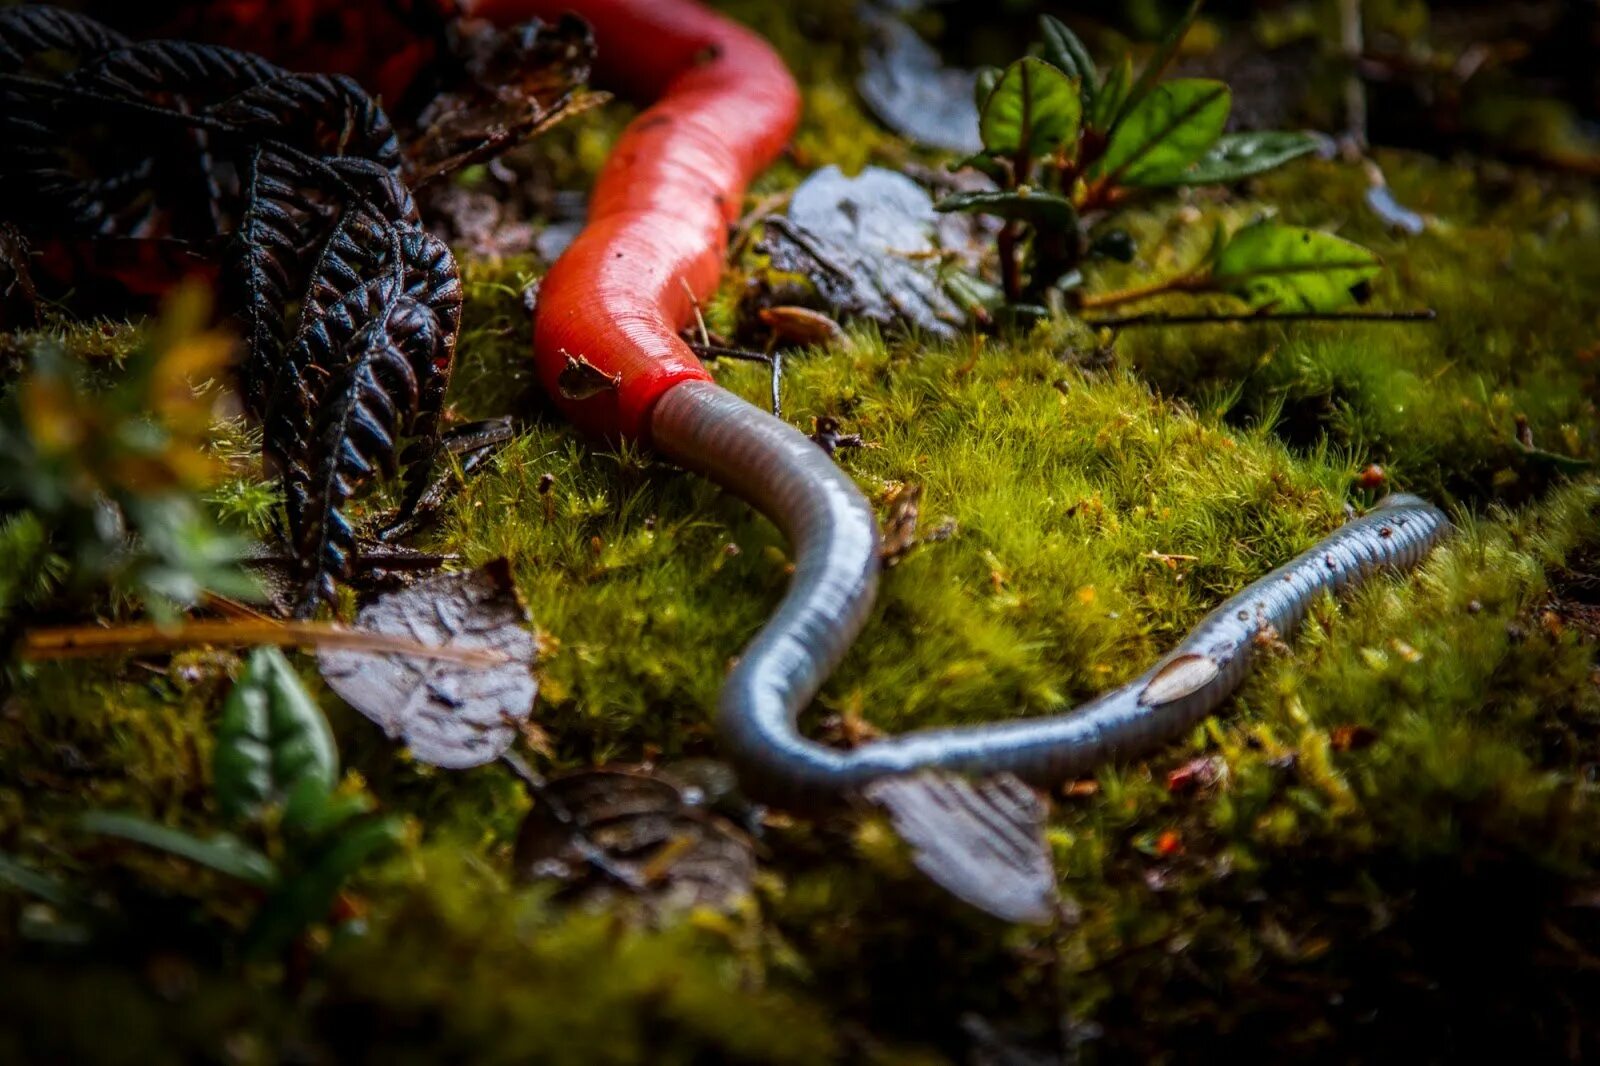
[1159, 318]
[1193, 281]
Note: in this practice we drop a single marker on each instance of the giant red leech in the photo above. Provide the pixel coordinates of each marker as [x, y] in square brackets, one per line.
[659, 218]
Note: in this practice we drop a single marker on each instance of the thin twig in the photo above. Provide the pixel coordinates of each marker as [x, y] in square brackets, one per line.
[777, 384]
[76, 642]
[1157, 318]
[498, 141]
[699, 319]
[719, 351]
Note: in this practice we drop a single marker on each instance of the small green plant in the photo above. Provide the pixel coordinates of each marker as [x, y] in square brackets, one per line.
[293, 833]
[1067, 146]
[104, 482]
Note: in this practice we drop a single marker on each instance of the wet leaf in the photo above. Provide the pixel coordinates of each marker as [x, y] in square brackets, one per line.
[1288, 268]
[868, 246]
[1063, 48]
[1045, 210]
[1112, 94]
[983, 841]
[272, 740]
[1236, 156]
[910, 90]
[450, 714]
[1033, 109]
[223, 853]
[611, 830]
[1170, 129]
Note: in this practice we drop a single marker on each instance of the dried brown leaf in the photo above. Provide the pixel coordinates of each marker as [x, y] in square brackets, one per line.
[448, 715]
[982, 841]
[609, 830]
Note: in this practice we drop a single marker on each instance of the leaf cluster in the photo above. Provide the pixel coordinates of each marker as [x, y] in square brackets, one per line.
[1067, 144]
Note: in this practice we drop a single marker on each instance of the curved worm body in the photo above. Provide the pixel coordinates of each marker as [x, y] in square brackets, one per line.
[610, 310]
[662, 204]
[831, 530]
[615, 301]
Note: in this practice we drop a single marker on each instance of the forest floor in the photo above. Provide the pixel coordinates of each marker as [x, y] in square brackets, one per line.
[1388, 844]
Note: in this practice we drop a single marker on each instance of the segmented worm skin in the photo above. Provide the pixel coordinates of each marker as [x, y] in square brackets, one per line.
[832, 533]
[663, 203]
[616, 299]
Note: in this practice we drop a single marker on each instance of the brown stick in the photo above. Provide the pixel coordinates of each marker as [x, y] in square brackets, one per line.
[77, 642]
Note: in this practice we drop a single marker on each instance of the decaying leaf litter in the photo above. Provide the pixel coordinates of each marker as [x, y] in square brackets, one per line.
[1157, 842]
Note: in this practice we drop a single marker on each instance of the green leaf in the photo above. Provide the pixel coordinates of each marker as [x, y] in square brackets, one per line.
[1112, 95]
[1170, 129]
[984, 164]
[308, 896]
[1159, 60]
[1555, 462]
[1291, 269]
[1047, 211]
[312, 811]
[52, 890]
[1236, 156]
[975, 296]
[988, 78]
[1033, 109]
[223, 853]
[1063, 48]
[272, 737]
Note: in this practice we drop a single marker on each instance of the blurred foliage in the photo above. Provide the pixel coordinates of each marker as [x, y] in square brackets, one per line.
[108, 475]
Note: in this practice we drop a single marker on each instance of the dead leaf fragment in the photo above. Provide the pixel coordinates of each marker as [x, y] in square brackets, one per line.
[982, 841]
[869, 248]
[581, 379]
[609, 830]
[900, 527]
[449, 714]
[910, 90]
[1351, 737]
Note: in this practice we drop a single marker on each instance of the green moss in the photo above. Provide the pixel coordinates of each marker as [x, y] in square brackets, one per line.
[1392, 821]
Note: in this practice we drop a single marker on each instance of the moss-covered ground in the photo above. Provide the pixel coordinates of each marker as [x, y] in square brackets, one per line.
[1390, 846]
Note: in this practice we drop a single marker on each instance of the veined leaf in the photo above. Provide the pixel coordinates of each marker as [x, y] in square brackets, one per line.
[1033, 108]
[1172, 128]
[1236, 156]
[1044, 210]
[271, 739]
[1113, 93]
[223, 853]
[1288, 268]
[1063, 48]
